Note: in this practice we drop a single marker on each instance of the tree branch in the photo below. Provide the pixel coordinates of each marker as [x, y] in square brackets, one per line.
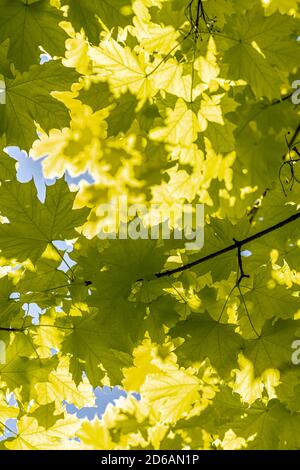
[11, 329]
[234, 246]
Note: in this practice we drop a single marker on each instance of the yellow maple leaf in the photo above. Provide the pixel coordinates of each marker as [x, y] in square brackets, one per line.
[121, 67]
[182, 126]
[62, 387]
[172, 393]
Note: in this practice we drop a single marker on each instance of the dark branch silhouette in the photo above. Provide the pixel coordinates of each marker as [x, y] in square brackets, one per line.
[237, 245]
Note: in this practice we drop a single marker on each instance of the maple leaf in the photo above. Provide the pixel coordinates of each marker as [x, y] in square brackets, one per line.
[206, 338]
[163, 103]
[174, 393]
[85, 13]
[256, 53]
[34, 225]
[273, 348]
[29, 100]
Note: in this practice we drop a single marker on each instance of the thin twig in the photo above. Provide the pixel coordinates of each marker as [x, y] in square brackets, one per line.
[294, 136]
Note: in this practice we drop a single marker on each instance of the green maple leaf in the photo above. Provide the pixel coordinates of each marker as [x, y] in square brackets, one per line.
[277, 206]
[46, 415]
[28, 99]
[125, 107]
[8, 307]
[95, 344]
[261, 50]
[23, 371]
[225, 409]
[7, 166]
[289, 436]
[250, 66]
[29, 25]
[273, 348]
[260, 156]
[44, 275]
[44, 279]
[118, 277]
[265, 300]
[5, 65]
[288, 391]
[221, 137]
[162, 313]
[206, 338]
[268, 424]
[97, 96]
[34, 225]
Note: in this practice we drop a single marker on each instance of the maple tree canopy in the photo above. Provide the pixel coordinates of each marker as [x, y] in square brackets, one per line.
[165, 102]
